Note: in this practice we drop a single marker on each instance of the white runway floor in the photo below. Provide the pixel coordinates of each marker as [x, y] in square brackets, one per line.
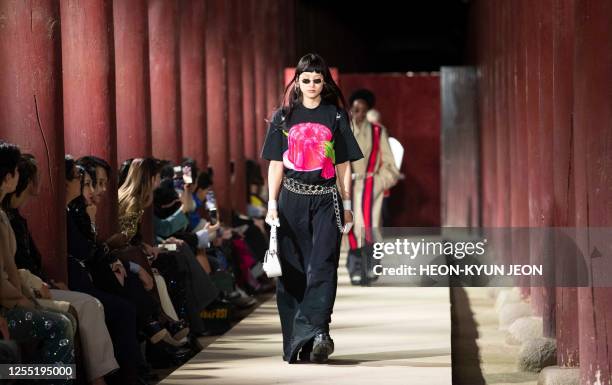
[383, 336]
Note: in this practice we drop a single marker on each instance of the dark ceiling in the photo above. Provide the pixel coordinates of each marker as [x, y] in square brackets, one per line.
[383, 36]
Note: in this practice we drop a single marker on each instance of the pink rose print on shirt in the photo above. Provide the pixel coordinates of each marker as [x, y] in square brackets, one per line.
[310, 148]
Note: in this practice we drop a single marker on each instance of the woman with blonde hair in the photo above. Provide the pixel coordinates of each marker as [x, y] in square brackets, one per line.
[136, 193]
[188, 300]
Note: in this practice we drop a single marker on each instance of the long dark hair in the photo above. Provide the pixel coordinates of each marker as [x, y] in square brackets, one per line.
[28, 172]
[9, 158]
[331, 93]
[90, 163]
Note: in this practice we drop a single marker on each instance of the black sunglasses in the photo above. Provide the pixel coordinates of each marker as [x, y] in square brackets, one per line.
[316, 81]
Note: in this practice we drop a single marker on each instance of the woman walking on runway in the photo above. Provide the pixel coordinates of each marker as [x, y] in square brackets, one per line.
[309, 141]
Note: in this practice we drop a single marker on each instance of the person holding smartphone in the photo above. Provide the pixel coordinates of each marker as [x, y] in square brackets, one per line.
[201, 192]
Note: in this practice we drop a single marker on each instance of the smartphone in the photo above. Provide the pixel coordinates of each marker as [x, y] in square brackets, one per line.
[167, 246]
[187, 178]
[178, 171]
[213, 216]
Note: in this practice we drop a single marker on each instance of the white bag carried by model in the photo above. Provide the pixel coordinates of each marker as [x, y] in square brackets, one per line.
[271, 264]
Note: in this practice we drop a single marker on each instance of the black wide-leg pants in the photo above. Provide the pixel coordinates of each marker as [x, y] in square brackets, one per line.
[309, 249]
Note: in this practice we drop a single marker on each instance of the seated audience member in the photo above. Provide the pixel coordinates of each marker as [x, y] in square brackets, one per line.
[136, 194]
[26, 320]
[172, 213]
[171, 203]
[99, 171]
[171, 206]
[123, 171]
[89, 260]
[227, 244]
[95, 339]
[256, 205]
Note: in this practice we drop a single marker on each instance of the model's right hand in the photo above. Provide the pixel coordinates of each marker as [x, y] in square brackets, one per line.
[272, 218]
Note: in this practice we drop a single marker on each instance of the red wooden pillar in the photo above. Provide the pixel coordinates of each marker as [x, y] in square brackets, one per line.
[540, 162]
[518, 201]
[501, 115]
[133, 104]
[543, 215]
[496, 131]
[164, 83]
[529, 134]
[511, 52]
[516, 178]
[235, 121]
[193, 80]
[490, 118]
[251, 149]
[217, 103]
[488, 129]
[521, 213]
[520, 208]
[89, 91]
[500, 120]
[274, 70]
[593, 140]
[133, 101]
[534, 174]
[31, 116]
[261, 51]
[563, 77]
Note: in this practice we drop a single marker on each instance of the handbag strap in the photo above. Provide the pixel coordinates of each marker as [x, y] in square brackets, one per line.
[273, 240]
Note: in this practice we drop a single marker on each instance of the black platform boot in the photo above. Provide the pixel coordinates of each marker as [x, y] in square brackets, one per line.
[322, 347]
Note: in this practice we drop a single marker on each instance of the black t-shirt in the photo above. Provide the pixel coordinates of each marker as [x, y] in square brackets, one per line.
[311, 142]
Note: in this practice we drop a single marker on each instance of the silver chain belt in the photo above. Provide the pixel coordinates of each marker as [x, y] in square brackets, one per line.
[312, 189]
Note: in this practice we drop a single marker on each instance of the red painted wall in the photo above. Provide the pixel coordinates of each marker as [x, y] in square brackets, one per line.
[410, 109]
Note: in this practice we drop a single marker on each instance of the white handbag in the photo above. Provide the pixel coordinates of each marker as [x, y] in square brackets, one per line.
[271, 264]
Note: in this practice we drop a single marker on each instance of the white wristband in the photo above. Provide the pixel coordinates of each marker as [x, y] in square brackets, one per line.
[272, 205]
[347, 204]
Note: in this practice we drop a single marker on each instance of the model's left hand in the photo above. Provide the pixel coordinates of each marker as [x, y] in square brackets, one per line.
[348, 221]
